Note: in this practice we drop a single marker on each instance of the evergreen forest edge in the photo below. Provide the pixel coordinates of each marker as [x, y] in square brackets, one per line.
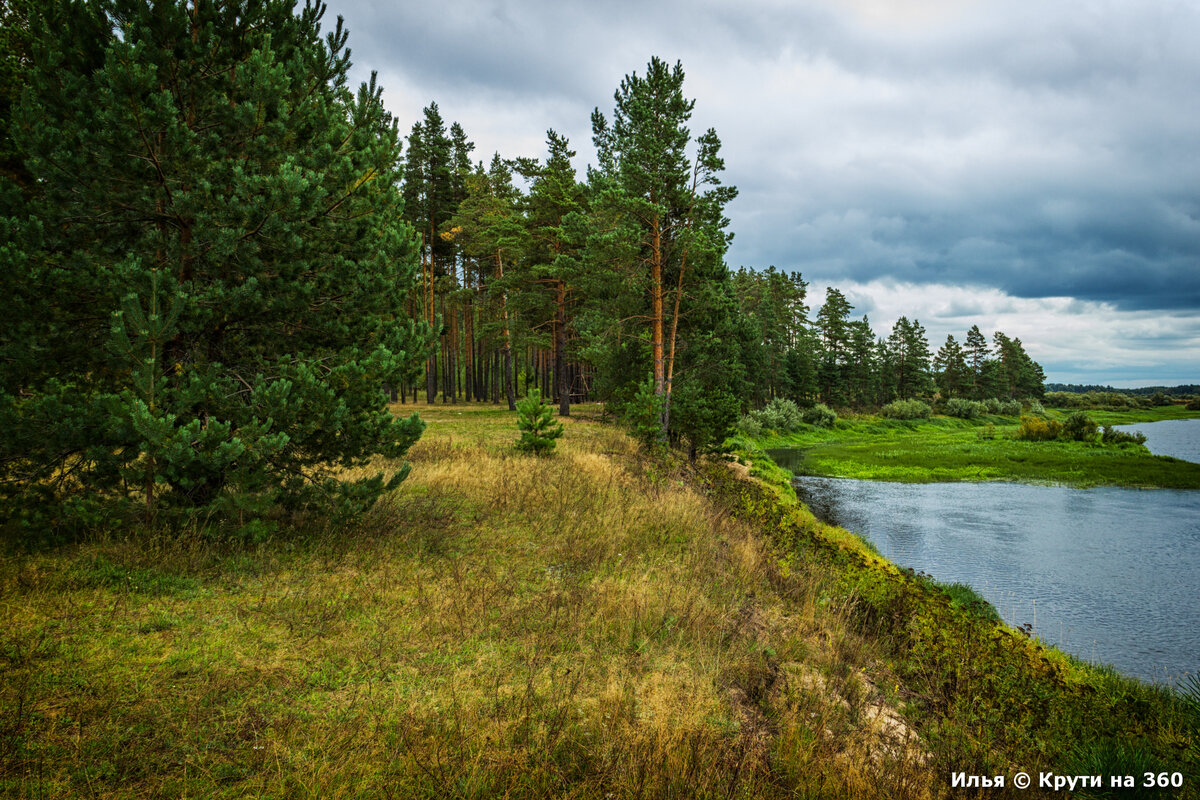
[259, 261]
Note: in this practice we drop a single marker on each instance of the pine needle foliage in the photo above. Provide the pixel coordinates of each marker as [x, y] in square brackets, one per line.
[208, 271]
[535, 421]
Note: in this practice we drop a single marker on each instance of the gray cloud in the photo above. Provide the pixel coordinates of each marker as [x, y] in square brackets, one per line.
[1046, 150]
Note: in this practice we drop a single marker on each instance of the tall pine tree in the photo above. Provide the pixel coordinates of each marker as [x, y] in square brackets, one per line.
[214, 202]
[669, 207]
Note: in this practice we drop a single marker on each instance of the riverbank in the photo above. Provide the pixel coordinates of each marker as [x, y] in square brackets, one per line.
[594, 624]
[984, 449]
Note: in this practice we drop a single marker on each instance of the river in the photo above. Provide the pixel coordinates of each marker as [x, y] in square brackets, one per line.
[1179, 438]
[1108, 574]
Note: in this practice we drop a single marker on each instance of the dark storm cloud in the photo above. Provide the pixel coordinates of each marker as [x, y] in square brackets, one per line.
[1046, 150]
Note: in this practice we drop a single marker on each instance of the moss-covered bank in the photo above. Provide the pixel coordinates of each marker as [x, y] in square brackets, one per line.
[986, 699]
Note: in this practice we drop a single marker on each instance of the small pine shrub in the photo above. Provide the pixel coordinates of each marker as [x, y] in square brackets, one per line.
[906, 409]
[963, 409]
[1079, 427]
[820, 415]
[535, 421]
[987, 432]
[1037, 429]
[644, 415]
[1110, 435]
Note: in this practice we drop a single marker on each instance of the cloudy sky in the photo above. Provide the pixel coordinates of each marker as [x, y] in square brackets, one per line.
[1025, 166]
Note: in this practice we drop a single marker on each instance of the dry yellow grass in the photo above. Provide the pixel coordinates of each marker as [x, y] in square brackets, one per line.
[583, 625]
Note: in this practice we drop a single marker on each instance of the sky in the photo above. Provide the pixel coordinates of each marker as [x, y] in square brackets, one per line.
[1024, 166]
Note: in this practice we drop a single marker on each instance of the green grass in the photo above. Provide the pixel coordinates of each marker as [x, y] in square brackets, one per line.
[588, 624]
[592, 624]
[947, 449]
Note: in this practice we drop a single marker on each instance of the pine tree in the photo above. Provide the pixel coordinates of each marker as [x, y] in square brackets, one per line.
[669, 209]
[208, 163]
[833, 325]
[909, 359]
[535, 421]
[860, 368]
[1018, 375]
[977, 359]
[952, 372]
[489, 227]
[555, 204]
[429, 200]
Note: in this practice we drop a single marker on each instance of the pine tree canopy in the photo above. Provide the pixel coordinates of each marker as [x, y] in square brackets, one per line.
[208, 277]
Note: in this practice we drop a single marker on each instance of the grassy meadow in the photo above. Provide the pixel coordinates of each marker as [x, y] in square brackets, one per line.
[584, 625]
[983, 449]
[594, 624]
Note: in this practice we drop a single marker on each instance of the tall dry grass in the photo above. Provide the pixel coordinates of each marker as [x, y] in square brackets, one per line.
[584, 625]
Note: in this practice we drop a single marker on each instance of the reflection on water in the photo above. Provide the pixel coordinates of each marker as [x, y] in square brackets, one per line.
[1108, 574]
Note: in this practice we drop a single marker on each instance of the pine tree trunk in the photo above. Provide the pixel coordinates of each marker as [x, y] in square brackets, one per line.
[507, 339]
[484, 374]
[656, 313]
[560, 350]
[452, 358]
[468, 351]
[509, 390]
[431, 364]
[671, 357]
[496, 376]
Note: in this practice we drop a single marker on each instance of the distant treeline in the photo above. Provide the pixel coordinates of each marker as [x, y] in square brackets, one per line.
[1183, 390]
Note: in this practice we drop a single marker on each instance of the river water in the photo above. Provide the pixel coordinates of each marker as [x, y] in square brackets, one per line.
[1110, 575]
[1179, 438]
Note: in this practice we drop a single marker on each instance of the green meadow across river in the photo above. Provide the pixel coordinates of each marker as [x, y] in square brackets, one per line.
[949, 449]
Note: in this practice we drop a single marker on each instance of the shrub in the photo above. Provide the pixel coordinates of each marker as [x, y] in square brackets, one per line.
[964, 409]
[781, 415]
[906, 409]
[750, 425]
[538, 429]
[1110, 435]
[1009, 408]
[991, 405]
[1062, 399]
[1036, 407]
[1037, 429]
[1193, 404]
[820, 415]
[987, 432]
[1079, 427]
[1109, 400]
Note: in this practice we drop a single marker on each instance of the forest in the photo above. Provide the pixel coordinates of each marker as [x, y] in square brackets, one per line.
[261, 260]
[616, 284]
